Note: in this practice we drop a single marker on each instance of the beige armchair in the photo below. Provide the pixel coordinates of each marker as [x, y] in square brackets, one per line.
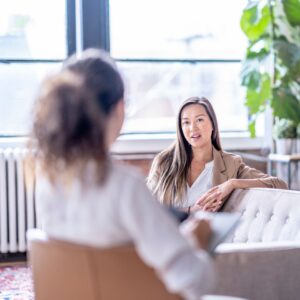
[63, 270]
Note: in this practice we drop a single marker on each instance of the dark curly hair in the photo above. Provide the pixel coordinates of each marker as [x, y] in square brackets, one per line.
[71, 112]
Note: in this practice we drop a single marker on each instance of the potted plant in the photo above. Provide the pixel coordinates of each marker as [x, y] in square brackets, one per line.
[298, 140]
[271, 68]
[285, 133]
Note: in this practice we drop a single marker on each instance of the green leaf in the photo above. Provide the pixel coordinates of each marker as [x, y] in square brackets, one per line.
[251, 80]
[255, 21]
[288, 53]
[253, 102]
[266, 87]
[284, 129]
[285, 105]
[289, 56]
[250, 74]
[259, 49]
[296, 72]
[251, 128]
[292, 11]
[256, 100]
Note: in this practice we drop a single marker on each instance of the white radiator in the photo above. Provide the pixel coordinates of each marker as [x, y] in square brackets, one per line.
[17, 202]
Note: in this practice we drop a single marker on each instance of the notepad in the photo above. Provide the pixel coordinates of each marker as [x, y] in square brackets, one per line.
[222, 225]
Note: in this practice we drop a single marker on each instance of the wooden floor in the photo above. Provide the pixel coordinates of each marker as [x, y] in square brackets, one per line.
[13, 264]
[15, 259]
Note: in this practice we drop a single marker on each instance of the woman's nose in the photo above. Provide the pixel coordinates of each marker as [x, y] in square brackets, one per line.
[193, 125]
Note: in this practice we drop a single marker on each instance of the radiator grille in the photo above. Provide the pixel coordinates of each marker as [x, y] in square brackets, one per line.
[17, 201]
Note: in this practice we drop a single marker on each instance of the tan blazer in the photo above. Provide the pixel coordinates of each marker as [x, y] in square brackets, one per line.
[228, 166]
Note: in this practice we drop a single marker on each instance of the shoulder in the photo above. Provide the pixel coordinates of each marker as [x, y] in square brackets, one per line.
[126, 174]
[230, 158]
[129, 186]
[228, 162]
[164, 156]
[161, 161]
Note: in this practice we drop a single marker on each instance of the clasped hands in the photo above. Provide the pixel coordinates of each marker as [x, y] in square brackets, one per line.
[213, 199]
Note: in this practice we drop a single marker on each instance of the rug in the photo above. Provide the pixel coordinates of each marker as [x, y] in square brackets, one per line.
[16, 283]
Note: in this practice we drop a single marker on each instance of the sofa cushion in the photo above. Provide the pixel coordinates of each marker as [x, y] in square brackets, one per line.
[267, 215]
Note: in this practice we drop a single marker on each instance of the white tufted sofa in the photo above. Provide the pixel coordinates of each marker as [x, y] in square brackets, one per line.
[261, 259]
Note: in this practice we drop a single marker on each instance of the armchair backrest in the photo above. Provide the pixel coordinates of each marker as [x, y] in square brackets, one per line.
[64, 270]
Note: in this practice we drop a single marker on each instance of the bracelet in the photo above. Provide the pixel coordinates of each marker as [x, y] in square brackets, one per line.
[189, 210]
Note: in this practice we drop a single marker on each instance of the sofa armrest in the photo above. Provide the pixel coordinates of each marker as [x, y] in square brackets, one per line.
[256, 247]
[260, 271]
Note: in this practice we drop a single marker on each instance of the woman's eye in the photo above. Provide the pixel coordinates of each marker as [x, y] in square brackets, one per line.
[200, 120]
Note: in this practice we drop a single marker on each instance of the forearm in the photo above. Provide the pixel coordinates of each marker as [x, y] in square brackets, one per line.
[258, 179]
[247, 183]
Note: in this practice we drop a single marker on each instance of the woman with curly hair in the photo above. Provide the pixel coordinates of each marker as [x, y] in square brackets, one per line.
[85, 197]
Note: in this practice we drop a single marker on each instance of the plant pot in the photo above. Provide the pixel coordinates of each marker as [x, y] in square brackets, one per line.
[286, 146]
[298, 145]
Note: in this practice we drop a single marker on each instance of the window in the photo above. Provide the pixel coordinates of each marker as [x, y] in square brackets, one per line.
[180, 29]
[32, 43]
[171, 50]
[167, 50]
[155, 90]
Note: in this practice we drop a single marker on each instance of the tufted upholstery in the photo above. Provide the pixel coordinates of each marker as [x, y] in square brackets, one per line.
[261, 260]
[267, 215]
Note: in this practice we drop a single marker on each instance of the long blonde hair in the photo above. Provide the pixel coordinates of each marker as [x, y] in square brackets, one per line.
[168, 175]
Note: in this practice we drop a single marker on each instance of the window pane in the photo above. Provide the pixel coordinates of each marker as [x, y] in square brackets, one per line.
[177, 29]
[32, 29]
[155, 91]
[18, 84]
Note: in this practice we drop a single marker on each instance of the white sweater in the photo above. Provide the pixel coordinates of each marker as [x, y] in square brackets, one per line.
[122, 211]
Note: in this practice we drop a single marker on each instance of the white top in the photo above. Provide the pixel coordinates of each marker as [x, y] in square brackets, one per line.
[200, 186]
[121, 211]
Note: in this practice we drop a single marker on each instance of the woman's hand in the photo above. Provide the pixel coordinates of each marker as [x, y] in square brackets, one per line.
[212, 200]
[198, 231]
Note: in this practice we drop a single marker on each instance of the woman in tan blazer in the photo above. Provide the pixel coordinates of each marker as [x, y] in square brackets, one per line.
[195, 173]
